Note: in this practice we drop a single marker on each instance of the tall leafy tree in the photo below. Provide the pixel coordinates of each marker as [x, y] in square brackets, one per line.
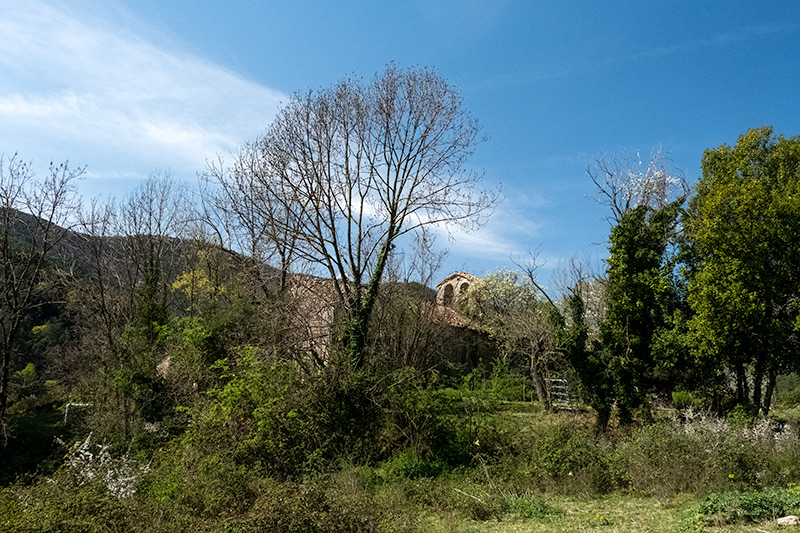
[743, 237]
[625, 361]
[640, 297]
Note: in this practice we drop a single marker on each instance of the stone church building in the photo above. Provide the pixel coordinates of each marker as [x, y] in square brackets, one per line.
[450, 288]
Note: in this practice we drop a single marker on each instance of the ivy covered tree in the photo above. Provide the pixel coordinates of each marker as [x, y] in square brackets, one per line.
[640, 299]
[584, 353]
[743, 241]
[628, 358]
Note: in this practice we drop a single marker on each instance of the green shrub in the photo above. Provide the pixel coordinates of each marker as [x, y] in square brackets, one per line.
[570, 461]
[528, 506]
[787, 390]
[741, 416]
[202, 487]
[52, 508]
[407, 464]
[305, 508]
[265, 412]
[735, 506]
[662, 460]
[510, 385]
[682, 400]
[421, 419]
[704, 454]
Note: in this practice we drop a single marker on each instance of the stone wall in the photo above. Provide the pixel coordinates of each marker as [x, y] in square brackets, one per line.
[450, 288]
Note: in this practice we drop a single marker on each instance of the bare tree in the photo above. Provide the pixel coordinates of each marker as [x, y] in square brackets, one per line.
[358, 165]
[249, 210]
[426, 259]
[35, 217]
[134, 252]
[149, 222]
[96, 223]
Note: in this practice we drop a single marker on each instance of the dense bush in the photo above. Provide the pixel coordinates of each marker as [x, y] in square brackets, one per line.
[734, 506]
[704, 453]
[571, 461]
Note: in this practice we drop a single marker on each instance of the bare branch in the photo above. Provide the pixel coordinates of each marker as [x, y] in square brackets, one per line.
[343, 172]
[624, 183]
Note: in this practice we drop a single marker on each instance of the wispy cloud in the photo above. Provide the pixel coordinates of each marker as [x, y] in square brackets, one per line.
[92, 84]
[512, 228]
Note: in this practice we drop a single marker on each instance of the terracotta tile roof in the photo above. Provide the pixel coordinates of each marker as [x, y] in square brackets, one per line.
[451, 317]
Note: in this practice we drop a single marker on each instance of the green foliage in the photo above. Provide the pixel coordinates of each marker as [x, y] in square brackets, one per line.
[742, 232]
[683, 400]
[307, 507]
[33, 448]
[510, 385]
[206, 487]
[588, 360]
[741, 416]
[706, 453]
[420, 422]
[55, 509]
[664, 460]
[734, 506]
[787, 389]
[408, 464]
[571, 459]
[268, 413]
[26, 389]
[260, 411]
[223, 475]
[639, 297]
[528, 506]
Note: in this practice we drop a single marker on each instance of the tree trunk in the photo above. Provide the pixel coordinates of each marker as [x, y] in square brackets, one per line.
[603, 416]
[768, 394]
[4, 395]
[539, 385]
[742, 393]
[126, 416]
[7, 349]
[360, 315]
[758, 379]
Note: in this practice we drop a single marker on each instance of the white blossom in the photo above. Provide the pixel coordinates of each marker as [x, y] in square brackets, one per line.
[88, 461]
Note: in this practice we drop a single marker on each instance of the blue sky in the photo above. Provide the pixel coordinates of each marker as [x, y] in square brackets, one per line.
[129, 87]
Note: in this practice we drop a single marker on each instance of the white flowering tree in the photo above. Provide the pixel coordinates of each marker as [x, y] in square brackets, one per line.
[510, 308]
[624, 183]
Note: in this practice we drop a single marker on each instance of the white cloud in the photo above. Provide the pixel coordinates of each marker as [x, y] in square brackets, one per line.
[94, 84]
[511, 230]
